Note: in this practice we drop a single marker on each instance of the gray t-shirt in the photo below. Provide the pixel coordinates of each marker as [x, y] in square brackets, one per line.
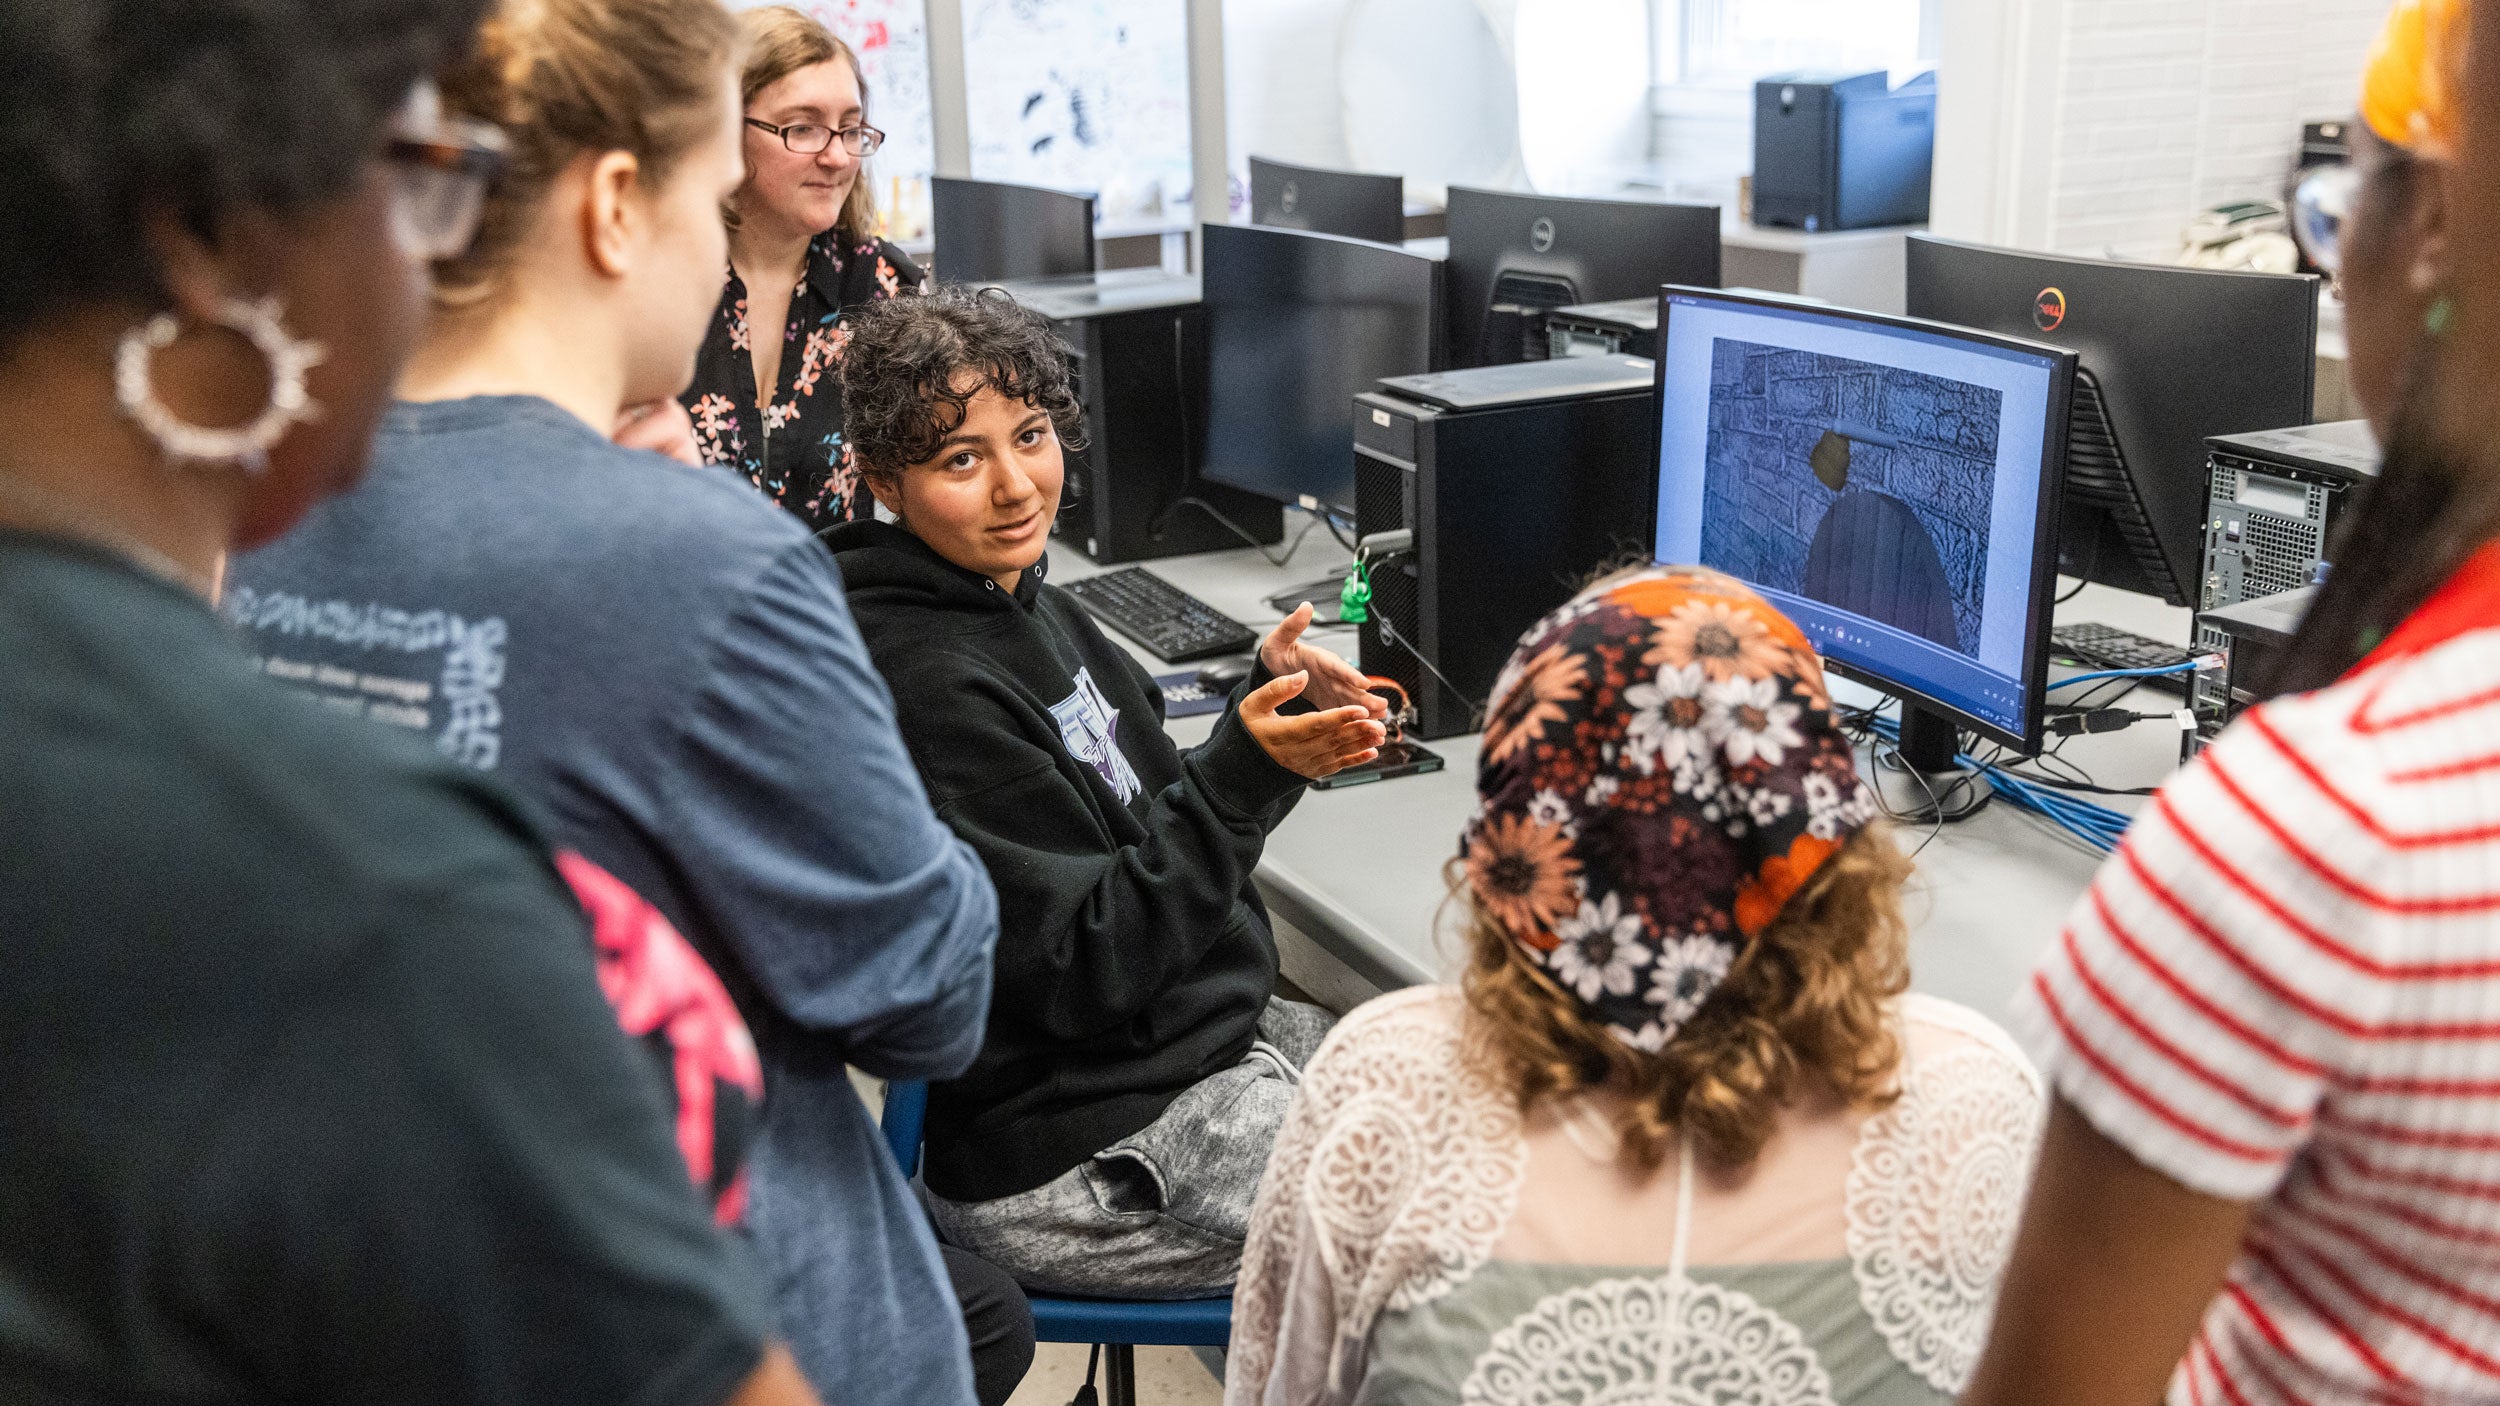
[307, 1088]
[664, 663]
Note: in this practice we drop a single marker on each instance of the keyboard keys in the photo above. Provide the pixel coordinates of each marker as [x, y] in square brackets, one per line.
[1172, 624]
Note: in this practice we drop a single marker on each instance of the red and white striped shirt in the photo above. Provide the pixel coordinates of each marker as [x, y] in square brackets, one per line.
[2285, 987]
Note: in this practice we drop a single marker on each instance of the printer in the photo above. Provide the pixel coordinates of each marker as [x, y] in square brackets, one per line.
[1842, 152]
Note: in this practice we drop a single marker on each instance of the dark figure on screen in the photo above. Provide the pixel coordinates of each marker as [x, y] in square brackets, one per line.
[1872, 555]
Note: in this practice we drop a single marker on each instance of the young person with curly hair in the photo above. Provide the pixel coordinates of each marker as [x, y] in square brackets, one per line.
[309, 1089]
[1679, 1136]
[1137, 1062]
[661, 660]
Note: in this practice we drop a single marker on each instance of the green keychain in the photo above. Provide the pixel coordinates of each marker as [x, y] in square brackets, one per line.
[1354, 599]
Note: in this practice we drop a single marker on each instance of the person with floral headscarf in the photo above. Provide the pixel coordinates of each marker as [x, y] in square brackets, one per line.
[1680, 1136]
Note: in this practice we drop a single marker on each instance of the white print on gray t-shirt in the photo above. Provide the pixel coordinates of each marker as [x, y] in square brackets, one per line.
[1091, 728]
[467, 729]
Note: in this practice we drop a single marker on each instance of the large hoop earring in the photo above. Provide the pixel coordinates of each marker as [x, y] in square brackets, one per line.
[247, 445]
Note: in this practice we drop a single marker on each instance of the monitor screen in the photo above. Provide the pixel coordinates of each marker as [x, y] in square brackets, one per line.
[1298, 324]
[1889, 484]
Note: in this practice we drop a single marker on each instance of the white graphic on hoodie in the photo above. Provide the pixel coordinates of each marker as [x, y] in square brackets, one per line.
[1091, 728]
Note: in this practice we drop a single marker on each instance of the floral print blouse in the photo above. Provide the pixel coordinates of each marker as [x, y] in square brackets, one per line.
[792, 447]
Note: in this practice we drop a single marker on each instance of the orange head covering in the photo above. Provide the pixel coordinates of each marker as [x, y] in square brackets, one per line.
[2409, 85]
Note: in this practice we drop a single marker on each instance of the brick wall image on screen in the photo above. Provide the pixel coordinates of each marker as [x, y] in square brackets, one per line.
[1920, 470]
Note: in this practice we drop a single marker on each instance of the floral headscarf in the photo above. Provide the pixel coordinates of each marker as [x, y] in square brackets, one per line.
[1660, 773]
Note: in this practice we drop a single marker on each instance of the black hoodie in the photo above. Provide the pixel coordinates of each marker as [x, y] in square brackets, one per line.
[1134, 957]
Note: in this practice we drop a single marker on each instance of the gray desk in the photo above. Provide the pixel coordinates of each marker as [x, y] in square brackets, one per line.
[1355, 876]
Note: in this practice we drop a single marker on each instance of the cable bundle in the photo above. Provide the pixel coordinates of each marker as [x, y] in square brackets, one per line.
[2095, 825]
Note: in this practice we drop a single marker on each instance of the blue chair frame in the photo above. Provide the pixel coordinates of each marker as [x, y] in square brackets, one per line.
[1117, 1326]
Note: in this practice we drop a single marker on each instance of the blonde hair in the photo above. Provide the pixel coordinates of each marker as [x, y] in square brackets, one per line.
[567, 77]
[1804, 1009]
[781, 40]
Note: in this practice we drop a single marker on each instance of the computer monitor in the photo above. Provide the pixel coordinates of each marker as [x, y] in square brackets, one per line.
[990, 231]
[1515, 257]
[1892, 485]
[1331, 202]
[2169, 356]
[1297, 324]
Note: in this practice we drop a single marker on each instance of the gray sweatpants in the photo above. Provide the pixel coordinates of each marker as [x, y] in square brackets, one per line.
[1162, 1213]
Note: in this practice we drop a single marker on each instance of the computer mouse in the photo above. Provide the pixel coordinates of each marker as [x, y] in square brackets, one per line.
[1220, 675]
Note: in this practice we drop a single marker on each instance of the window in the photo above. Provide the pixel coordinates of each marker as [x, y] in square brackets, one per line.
[1730, 43]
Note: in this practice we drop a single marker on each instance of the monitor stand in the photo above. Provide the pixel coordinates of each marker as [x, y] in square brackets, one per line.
[1941, 788]
[2100, 481]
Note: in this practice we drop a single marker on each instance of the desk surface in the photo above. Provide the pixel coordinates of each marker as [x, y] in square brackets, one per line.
[1359, 870]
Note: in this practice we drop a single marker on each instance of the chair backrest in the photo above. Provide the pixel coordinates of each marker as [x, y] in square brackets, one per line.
[906, 1113]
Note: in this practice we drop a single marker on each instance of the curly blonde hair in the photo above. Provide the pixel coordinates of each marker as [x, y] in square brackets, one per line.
[1804, 1009]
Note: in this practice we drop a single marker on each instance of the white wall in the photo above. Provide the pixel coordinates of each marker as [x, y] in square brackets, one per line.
[1280, 81]
[2100, 126]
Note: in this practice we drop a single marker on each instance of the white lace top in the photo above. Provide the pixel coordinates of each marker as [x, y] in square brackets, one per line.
[1417, 1239]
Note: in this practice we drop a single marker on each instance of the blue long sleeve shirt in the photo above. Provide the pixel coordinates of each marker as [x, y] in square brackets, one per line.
[664, 664]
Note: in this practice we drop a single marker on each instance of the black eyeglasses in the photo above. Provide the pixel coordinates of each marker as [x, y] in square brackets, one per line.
[809, 138]
[442, 179]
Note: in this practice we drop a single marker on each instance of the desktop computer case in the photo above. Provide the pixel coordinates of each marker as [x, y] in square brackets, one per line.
[1142, 380]
[1512, 509]
[1842, 153]
[1143, 386]
[2257, 549]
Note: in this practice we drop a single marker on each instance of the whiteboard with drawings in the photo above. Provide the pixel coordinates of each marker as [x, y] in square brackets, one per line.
[1083, 95]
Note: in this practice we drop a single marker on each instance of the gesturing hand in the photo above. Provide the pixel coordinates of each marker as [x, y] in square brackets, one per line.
[1310, 745]
[1334, 682]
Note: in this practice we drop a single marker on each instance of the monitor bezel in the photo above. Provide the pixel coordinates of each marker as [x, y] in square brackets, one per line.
[2063, 361]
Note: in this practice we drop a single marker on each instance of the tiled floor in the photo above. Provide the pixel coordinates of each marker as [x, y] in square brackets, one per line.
[1166, 1376]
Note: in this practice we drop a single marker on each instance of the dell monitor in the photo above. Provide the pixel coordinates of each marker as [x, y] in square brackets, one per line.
[1892, 485]
[1297, 324]
[2170, 356]
[991, 232]
[1513, 258]
[1328, 202]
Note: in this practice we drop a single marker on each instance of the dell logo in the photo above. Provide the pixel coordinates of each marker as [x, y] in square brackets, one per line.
[1292, 196]
[2048, 311]
[1541, 234]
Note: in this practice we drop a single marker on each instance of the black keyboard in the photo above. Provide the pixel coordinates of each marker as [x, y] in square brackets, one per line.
[2108, 647]
[1175, 625]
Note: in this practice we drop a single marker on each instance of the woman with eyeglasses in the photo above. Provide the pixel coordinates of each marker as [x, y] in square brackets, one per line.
[308, 1086]
[803, 253]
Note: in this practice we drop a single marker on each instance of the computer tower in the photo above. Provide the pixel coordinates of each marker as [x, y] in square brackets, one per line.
[1137, 346]
[1514, 483]
[1626, 326]
[1842, 153]
[2249, 637]
[2273, 502]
